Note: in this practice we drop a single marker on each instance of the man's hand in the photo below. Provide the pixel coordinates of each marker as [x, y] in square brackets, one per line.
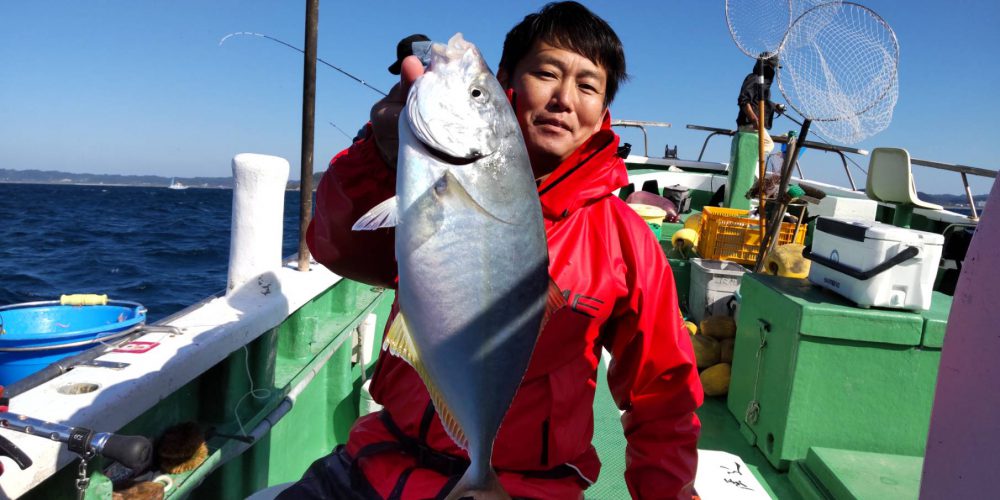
[385, 113]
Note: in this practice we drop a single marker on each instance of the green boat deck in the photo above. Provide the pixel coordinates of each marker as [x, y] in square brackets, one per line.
[719, 431]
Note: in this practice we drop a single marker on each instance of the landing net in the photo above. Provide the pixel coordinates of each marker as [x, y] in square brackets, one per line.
[840, 70]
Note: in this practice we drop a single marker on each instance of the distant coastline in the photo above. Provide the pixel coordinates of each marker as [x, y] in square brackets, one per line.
[9, 176]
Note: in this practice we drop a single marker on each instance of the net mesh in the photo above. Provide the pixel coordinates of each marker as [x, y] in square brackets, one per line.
[840, 70]
[758, 26]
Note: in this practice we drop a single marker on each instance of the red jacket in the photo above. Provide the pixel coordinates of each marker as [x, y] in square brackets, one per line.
[622, 297]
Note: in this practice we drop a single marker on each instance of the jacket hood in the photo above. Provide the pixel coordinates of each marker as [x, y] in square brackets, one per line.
[593, 171]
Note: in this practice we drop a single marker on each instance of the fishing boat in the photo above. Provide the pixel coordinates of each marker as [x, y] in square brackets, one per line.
[826, 399]
[268, 364]
[175, 184]
[273, 369]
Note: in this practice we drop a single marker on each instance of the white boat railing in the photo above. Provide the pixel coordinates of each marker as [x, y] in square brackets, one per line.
[781, 139]
[963, 170]
[641, 125]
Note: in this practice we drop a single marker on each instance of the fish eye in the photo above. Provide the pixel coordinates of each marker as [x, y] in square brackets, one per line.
[477, 93]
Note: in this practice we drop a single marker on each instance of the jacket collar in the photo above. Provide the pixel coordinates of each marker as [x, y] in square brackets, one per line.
[593, 171]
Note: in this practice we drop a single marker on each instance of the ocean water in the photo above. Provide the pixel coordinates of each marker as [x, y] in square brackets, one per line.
[163, 248]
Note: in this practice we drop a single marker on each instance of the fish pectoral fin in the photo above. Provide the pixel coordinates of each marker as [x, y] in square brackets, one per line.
[448, 183]
[385, 214]
[400, 343]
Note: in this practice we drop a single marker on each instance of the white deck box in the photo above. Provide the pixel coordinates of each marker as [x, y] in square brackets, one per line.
[845, 208]
[875, 264]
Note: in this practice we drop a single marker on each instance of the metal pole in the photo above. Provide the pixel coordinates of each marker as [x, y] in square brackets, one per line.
[705, 144]
[972, 201]
[308, 129]
[761, 160]
[850, 178]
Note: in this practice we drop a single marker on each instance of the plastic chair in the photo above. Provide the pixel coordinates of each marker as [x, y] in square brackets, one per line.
[890, 180]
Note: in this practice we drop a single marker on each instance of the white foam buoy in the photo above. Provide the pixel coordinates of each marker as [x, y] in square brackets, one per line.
[366, 330]
[366, 403]
[259, 183]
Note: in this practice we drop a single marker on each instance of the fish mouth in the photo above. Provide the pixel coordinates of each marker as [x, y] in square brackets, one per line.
[449, 159]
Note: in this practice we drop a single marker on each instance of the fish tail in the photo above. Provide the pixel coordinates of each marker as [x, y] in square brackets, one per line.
[470, 486]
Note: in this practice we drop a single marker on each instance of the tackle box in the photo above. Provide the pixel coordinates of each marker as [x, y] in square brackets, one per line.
[845, 208]
[875, 264]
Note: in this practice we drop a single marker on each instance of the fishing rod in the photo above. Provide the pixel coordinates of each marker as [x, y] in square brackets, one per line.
[340, 130]
[261, 35]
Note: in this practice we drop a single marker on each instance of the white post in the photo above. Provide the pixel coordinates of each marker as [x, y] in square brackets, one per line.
[258, 216]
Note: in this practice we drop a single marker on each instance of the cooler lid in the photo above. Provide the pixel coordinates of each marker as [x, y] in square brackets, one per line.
[861, 230]
[823, 313]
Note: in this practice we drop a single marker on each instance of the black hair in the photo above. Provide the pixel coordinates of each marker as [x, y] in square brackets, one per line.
[569, 26]
[766, 64]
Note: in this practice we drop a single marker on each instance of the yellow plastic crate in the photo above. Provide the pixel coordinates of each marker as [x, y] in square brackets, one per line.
[728, 234]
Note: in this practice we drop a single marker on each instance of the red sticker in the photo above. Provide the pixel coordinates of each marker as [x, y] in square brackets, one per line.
[137, 347]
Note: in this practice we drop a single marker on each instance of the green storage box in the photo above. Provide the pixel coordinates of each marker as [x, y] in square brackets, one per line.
[830, 374]
[682, 279]
[828, 473]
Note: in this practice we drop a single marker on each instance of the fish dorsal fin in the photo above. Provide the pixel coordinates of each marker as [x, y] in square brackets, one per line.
[554, 300]
[384, 214]
[400, 343]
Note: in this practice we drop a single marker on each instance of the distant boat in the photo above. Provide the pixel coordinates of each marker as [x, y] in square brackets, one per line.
[176, 185]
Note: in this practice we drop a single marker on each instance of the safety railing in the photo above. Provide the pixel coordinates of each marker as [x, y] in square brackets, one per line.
[641, 125]
[780, 139]
[964, 171]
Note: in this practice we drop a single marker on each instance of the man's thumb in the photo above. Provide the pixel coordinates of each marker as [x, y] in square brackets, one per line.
[409, 71]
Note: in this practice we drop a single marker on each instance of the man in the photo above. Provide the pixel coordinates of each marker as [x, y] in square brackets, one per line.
[751, 94]
[745, 149]
[562, 68]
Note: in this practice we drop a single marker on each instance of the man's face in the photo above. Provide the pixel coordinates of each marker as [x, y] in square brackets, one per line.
[559, 103]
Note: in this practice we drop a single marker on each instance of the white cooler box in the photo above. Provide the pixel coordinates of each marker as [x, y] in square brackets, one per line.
[875, 264]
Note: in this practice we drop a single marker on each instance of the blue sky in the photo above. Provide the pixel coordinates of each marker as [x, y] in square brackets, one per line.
[143, 87]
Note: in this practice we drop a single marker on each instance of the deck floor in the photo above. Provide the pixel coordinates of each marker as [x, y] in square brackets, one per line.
[720, 431]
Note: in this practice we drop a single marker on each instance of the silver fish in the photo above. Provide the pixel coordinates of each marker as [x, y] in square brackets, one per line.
[470, 243]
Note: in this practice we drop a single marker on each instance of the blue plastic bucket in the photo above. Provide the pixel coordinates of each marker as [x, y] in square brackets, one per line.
[34, 335]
